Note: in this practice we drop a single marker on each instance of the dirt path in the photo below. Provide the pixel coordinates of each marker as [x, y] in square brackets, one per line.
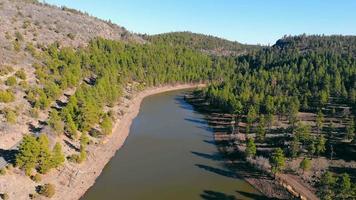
[297, 186]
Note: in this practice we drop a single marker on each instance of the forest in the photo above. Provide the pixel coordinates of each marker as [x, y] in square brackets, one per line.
[263, 88]
[298, 99]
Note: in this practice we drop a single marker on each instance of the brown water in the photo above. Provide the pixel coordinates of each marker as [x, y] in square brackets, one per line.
[170, 155]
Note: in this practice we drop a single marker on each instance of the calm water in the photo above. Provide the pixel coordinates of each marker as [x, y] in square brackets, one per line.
[169, 155]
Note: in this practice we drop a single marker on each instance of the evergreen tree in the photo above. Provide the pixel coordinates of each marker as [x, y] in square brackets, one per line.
[277, 160]
[27, 156]
[250, 148]
[58, 157]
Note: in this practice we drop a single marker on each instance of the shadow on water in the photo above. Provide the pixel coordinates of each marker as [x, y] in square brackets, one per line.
[251, 195]
[183, 104]
[218, 171]
[213, 195]
[215, 156]
[197, 121]
[210, 142]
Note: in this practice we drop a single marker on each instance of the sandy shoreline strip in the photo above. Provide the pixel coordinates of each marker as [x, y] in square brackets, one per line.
[74, 180]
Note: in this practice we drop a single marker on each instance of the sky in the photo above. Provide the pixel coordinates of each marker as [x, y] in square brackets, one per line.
[245, 21]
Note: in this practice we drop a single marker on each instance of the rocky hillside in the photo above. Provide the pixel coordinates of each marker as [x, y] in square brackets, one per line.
[27, 28]
[24, 22]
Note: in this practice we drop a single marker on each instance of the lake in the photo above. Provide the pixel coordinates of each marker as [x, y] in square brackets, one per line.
[170, 154]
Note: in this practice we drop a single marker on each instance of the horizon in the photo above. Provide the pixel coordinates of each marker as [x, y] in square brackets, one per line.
[240, 21]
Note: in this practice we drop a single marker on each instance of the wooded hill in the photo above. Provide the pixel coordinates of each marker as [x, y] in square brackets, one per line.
[205, 43]
[63, 72]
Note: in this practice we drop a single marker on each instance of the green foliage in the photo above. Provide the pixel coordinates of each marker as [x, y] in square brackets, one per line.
[11, 81]
[319, 120]
[44, 157]
[36, 178]
[5, 70]
[320, 145]
[18, 36]
[277, 160]
[350, 130]
[106, 125]
[10, 115]
[305, 164]
[344, 187]
[35, 153]
[294, 147]
[48, 190]
[84, 140]
[2, 171]
[251, 117]
[29, 151]
[58, 157]
[55, 122]
[261, 131]
[21, 74]
[16, 45]
[250, 148]
[303, 133]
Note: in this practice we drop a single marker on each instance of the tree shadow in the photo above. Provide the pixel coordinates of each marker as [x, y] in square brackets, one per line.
[222, 172]
[210, 141]
[252, 195]
[34, 129]
[70, 145]
[197, 121]
[214, 157]
[213, 195]
[9, 155]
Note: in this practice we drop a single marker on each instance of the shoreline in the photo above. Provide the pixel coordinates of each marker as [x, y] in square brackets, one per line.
[83, 176]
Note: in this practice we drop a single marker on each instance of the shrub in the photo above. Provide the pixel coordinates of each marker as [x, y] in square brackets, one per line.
[10, 116]
[34, 113]
[24, 85]
[19, 36]
[2, 171]
[6, 70]
[37, 178]
[31, 49]
[11, 81]
[33, 196]
[71, 36]
[21, 74]
[6, 96]
[47, 190]
[16, 45]
[73, 158]
[305, 164]
[106, 125]
[26, 24]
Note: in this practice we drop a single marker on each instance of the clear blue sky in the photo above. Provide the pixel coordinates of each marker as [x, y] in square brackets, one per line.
[246, 21]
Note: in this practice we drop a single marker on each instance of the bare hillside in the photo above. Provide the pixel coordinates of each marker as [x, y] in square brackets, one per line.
[42, 24]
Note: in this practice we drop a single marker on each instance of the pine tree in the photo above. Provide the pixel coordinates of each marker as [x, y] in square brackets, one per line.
[250, 148]
[305, 164]
[29, 151]
[44, 157]
[57, 155]
[106, 125]
[277, 160]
